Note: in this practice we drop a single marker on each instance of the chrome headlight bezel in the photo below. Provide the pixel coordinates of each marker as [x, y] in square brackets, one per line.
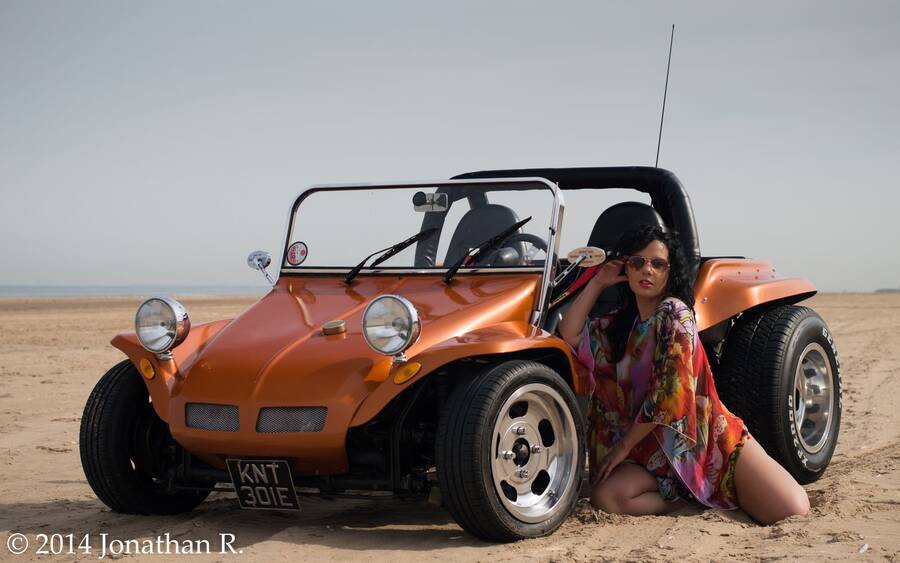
[177, 328]
[411, 317]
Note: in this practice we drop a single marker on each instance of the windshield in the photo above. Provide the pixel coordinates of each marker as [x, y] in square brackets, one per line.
[339, 227]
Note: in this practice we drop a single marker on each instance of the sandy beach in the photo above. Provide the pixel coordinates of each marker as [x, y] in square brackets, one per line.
[54, 350]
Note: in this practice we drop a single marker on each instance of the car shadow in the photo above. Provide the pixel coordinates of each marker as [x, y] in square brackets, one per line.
[340, 523]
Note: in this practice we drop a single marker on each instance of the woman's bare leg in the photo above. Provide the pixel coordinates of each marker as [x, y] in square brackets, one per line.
[629, 489]
[765, 490]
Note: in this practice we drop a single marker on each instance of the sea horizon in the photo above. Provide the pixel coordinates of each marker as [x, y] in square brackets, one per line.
[25, 291]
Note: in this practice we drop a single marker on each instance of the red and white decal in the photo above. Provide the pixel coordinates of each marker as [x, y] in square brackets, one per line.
[297, 253]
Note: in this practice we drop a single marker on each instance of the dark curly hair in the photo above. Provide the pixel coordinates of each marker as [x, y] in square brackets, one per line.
[679, 281]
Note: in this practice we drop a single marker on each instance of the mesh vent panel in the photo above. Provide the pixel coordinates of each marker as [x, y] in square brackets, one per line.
[291, 419]
[208, 416]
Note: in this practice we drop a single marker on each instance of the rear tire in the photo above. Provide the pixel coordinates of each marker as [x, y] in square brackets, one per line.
[526, 410]
[780, 373]
[124, 446]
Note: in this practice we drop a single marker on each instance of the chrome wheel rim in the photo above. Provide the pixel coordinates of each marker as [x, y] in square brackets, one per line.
[534, 451]
[813, 398]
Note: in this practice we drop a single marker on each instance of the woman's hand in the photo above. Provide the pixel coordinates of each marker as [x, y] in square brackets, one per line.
[622, 448]
[607, 275]
[613, 458]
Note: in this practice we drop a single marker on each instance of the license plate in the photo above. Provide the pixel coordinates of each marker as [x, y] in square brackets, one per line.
[263, 484]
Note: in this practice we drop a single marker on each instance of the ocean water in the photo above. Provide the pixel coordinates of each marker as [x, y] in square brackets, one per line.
[128, 290]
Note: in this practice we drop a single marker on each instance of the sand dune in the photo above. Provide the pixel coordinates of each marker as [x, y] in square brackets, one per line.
[53, 351]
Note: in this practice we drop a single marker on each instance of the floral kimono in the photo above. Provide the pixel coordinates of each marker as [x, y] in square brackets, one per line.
[663, 378]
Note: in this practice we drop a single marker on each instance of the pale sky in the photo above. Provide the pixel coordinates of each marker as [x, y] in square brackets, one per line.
[160, 142]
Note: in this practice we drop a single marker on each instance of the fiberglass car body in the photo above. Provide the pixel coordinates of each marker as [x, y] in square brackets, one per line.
[432, 367]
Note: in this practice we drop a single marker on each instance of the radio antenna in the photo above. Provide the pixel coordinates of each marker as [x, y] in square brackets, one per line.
[665, 92]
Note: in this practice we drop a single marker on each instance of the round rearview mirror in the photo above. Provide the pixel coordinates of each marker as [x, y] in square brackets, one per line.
[587, 256]
[259, 259]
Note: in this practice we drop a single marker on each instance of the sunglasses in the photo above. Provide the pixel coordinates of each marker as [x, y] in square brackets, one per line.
[637, 262]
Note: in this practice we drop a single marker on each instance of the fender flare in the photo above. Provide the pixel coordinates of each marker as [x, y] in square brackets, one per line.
[167, 372]
[726, 287]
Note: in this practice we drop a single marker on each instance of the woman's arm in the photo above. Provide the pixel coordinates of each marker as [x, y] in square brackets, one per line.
[635, 434]
[573, 320]
[575, 316]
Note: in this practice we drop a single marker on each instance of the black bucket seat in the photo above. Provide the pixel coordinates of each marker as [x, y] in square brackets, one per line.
[479, 224]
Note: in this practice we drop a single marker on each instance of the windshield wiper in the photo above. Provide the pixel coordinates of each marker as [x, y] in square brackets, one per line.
[388, 252]
[486, 246]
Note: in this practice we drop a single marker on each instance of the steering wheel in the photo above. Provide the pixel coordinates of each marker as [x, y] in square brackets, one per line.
[534, 240]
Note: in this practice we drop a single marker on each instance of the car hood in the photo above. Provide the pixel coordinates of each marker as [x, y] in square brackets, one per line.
[276, 354]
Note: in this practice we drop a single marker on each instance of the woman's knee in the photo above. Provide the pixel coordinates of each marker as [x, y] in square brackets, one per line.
[794, 504]
[797, 504]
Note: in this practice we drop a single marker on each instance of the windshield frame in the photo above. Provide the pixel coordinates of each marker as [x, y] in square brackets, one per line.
[547, 270]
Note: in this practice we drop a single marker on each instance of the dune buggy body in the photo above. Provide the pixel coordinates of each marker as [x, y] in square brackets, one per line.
[487, 402]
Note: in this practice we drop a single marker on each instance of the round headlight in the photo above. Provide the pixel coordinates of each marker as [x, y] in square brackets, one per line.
[391, 324]
[161, 324]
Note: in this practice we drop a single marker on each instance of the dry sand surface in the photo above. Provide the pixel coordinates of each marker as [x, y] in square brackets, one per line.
[53, 351]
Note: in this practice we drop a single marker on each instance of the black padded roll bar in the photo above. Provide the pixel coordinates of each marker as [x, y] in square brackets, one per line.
[667, 195]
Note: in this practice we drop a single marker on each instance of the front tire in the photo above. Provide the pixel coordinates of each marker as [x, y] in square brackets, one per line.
[780, 373]
[125, 448]
[510, 452]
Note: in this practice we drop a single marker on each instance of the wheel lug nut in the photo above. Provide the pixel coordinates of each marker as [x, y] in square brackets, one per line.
[536, 449]
[520, 430]
[523, 473]
[507, 455]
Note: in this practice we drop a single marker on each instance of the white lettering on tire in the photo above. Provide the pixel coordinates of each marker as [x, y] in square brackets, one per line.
[801, 454]
[837, 365]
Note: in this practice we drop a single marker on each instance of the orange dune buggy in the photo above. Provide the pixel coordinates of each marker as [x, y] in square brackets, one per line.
[408, 348]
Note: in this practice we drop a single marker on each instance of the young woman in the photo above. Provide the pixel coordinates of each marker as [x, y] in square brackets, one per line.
[659, 434]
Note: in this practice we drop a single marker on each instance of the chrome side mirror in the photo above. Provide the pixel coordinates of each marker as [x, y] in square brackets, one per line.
[260, 260]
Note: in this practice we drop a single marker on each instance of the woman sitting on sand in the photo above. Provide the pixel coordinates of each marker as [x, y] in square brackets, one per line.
[655, 405]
